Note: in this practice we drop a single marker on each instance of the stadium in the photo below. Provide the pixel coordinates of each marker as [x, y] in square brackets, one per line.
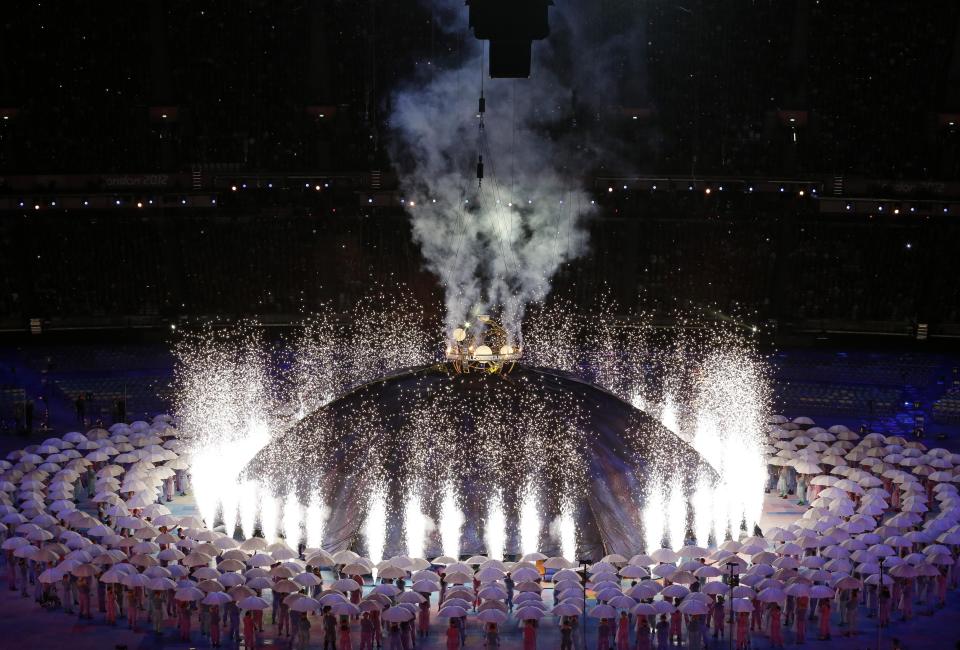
[522, 325]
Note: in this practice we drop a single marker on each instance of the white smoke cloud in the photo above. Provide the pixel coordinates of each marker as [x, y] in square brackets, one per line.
[497, 248]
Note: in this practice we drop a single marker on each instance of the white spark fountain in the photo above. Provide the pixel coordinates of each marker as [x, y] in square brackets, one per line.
[451, 522]
[224, 406]
[669, 417]
[375, 525]
[292, 519]
[495, 529]
[721, 508]
[568, 532]
[676, 514]
[654, 519]
[269, 514]
[205, 487]
[248, 508]
[230, 503]
[529, 522]
[702, 511]
[415, 525]
[731, 400]
[314, 522]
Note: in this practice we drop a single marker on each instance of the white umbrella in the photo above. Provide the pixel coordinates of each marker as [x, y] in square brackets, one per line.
[492, 616]
[567, 609]
[663, 607]
[345, 609]
[771, 595]
[189, 594]
[306, 604]
[664, 555]
[692, 607]
[674, 591]
[345, 584]
[253, 602]
[400, 614]
[217, 598]
[393, 572]
[602, 611]
[742, 605]
[425, 586]
[528, 613]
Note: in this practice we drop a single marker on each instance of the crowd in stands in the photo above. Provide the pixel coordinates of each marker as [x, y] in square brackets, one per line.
[240, 81]
[649, 253]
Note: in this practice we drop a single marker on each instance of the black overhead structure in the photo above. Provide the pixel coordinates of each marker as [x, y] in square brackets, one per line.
[511, 26]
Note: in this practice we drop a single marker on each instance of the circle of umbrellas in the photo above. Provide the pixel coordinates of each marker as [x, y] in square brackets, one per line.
[881, 509]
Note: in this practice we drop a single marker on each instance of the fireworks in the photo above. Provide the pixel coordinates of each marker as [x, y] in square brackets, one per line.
[529, 522]
[676, 513]
[496, 527]
[415, 524]
[375, 526]
[654, 519]
[314, 522]
[567, 532]
[292, 519]
[451, 521]
[269, 514]
[319, 432]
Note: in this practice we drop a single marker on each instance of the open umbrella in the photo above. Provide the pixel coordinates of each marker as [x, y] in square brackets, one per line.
[216, 598]
[189, 594]
[240, 592]
[492, 616]
[285, 587]
[847, 582]
[692, 607]
[425, 586]
[400, 614]
[663, 607]
[566, 609]
[160, 583]
[410, 597]
[451, 611]
[742, 605]
[306, 604]
[714, 588]
[529, 613]
[772, 595]
[347, 584]
[385, 589]
[674, 591]
[621, 601]
[493, 592]
[602, 611]
[345, 609]
[903, 571]
[50, 576]
[393, 572]
[253, 602]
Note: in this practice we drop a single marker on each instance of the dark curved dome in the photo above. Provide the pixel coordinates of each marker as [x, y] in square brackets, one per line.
[427, 428]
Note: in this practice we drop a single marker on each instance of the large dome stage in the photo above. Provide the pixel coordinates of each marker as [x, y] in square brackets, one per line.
[429, 430]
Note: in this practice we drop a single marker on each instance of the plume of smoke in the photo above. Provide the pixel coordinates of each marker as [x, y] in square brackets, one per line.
[497, 247]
